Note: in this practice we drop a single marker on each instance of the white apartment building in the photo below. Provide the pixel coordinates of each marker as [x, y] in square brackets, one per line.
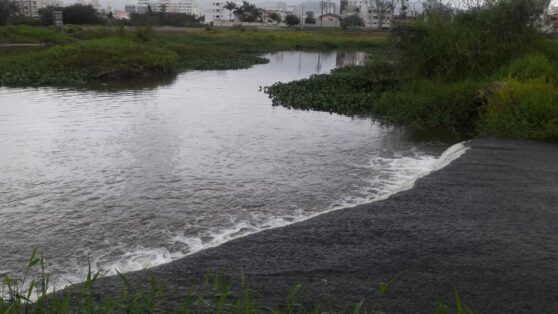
[31, 7]
[168, 6]
[280, 8]
[216, 11]
[371, 15]
[328, 7]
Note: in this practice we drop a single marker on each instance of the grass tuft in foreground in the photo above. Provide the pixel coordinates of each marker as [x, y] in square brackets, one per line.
[217, 294]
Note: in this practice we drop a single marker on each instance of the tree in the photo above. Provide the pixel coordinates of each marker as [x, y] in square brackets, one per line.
[292, 20]
[230, 6]
[8, 9]
[247, 12]
[352, 21]
[310, 18]
[160, 18]
[81, 14]
[274, 16]
[45, 14]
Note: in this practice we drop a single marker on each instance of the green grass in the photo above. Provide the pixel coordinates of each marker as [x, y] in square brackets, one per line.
[522, 109]
[112, 57]
[32, 35]
[86, 54]
[217, 293]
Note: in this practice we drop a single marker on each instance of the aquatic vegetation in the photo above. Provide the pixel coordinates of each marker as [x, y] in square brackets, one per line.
[109, 58]
[101, 53]
[349, 90]
[32, 35]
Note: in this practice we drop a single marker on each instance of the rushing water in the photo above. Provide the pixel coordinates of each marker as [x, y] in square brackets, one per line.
[137, 177]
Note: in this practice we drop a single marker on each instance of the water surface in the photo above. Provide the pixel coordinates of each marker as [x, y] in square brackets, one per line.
[137, 177]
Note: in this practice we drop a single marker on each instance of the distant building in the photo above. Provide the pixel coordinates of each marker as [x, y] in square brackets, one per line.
[216, 11]
[330, 20]
[281, 9]
[130, 9]
[328, 7]
[372, 15]
[343, 5]
[167, 6]
[121, 15]
[551, 20]
[31, 8]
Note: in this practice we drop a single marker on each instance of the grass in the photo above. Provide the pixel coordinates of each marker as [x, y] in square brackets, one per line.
[85, 54]
[32, 35]
[107, 58]
[217, 293]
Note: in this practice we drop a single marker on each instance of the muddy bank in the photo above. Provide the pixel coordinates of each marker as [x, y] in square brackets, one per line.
[485, 225]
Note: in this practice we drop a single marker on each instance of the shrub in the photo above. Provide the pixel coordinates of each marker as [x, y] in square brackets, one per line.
[352, 21]
[473, 44]
[292, 20]
[432, 104]
[530, 66]
[522, 110]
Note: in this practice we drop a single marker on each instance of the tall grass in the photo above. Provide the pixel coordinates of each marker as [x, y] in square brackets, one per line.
[34, 35]
[217, 293]
[96, 59]
[473, 43]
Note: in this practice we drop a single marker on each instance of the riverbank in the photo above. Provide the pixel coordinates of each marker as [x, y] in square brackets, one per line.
[86, 54]
[484, 225]
[471, 74]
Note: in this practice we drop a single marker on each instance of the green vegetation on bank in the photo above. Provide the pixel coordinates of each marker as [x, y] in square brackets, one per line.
[83, 54]
[31, 35]
[216, 293]
[483, 71]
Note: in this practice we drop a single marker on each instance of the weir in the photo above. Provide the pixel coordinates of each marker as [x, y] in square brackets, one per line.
[484, 225]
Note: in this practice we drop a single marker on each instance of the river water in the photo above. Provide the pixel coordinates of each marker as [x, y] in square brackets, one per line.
[135, 177]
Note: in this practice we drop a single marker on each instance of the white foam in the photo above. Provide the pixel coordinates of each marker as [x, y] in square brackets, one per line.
[395, 175]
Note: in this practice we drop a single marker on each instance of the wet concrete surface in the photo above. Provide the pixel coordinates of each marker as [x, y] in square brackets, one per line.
[486, 226]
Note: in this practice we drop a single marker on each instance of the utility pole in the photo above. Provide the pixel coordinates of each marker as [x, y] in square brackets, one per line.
[301, 15]
[321, 20]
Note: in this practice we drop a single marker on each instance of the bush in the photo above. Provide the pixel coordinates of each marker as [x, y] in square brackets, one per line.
[522, 110]
[433, 104]
[530, 66]
[74, 14]
[473, 44]
[161, 18]
[352, 21]
[8, 9]
[309, 19]
[292, 20]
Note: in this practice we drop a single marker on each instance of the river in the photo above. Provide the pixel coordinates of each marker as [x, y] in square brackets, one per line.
[137, 176]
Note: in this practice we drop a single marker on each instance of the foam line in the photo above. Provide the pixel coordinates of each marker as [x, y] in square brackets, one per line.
[407, 171]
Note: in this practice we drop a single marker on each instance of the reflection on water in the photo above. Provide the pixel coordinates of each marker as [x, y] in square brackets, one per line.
[144, 175]
[350, 58]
